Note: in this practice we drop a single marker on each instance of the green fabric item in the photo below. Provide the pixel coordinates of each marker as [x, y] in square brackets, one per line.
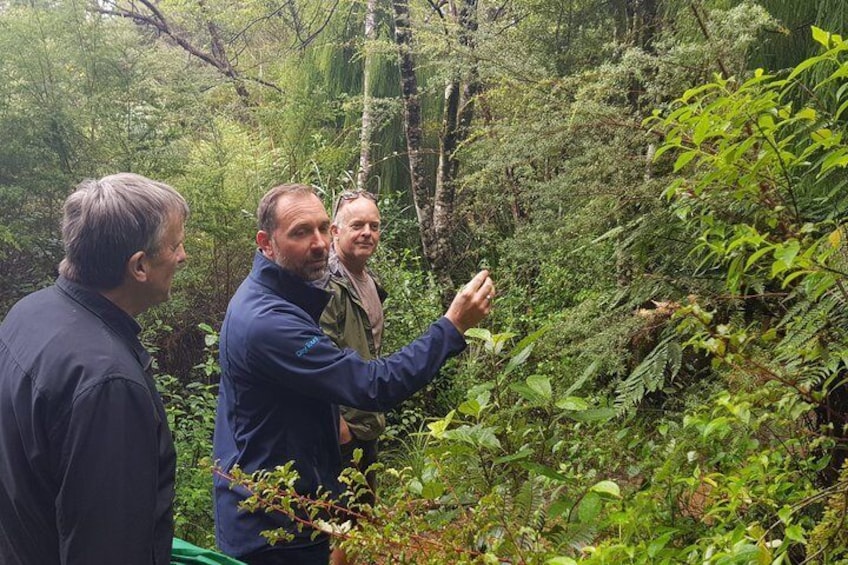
[185, 553]
[345, 321]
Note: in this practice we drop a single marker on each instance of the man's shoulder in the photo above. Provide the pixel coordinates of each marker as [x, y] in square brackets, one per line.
[60, 344]
[256, 312]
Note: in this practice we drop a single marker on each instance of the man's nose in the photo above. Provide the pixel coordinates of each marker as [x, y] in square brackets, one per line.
[320, 239]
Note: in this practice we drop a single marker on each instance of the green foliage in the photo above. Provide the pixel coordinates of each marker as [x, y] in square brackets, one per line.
[686, 401]
[489, 484]
[659, 367]
[191, 417]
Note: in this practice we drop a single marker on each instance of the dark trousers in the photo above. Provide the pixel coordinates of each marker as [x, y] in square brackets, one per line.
[313, 555]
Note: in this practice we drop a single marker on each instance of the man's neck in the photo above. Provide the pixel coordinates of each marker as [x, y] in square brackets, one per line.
[123, 300]
[355, 268]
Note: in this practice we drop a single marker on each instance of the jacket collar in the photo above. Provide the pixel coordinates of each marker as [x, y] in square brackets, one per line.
[307, 296]
[118, 321]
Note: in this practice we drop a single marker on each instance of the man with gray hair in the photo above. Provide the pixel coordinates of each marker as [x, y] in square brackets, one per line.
[88, 464]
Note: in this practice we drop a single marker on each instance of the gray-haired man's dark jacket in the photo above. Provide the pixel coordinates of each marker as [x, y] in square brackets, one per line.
[87, 461]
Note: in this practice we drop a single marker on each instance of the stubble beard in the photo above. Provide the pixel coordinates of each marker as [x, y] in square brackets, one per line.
[307, 272]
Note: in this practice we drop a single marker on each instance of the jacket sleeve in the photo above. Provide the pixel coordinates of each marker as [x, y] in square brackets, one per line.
[292, 352]
[333, 319]
[108, 475]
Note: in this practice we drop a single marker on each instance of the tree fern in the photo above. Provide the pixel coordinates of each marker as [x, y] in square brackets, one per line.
[659, 367]
[803, 324]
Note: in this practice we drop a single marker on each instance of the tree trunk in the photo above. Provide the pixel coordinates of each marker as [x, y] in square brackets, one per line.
[437, 210]
[412, 127]
[367, 130]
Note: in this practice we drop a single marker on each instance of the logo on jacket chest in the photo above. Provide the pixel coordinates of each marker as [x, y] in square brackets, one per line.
[309, 345]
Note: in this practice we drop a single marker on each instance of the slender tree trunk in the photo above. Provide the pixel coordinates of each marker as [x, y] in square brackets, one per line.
[367, 131]
[460, 94]
[412, 126]
[437, 210]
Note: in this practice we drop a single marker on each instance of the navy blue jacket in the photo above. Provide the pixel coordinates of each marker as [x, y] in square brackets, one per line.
[86, 457]
[281, 382]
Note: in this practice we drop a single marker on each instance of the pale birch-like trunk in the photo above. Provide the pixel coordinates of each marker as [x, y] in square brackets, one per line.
[367, 131]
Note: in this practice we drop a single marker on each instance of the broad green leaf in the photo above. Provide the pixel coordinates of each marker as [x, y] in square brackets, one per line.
[541, 385]
[529, 339]
[470, 407]
[719, 425]
[822, 135]
[821, 36]
[482, 334]
[795, 533]
[559, 560]
[658, 544]
[589, 507]
[756, 255]
[476, 436]
[573, 403]
[607, 487]
[499, 340]
[438, 428]
[806, 114]
[683, 159]
[804, 65]
[518, 360]
[433, 490]
[526, 393]
[784, 256]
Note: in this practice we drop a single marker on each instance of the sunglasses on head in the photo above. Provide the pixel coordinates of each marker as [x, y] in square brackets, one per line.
[352, 195]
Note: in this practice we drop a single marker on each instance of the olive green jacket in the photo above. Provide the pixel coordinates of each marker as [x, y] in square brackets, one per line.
[345, 322]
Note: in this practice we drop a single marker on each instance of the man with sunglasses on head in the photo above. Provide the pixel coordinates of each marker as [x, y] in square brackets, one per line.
[283, 379]
[354, 319]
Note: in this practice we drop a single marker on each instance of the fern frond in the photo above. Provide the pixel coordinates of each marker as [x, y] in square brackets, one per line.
[660, 366]
[572, 536]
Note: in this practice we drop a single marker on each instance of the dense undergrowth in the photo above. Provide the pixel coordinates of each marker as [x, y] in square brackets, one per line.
[663, 379]
[720, 436]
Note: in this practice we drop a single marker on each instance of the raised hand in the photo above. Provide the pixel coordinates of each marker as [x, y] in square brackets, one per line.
[473, 302]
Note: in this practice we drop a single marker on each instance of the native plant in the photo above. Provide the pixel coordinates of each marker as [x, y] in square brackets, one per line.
[759, 166]
[489, 485]
[191, 417]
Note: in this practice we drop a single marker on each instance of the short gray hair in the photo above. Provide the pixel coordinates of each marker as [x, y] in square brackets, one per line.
[106, 221]
[266, 213]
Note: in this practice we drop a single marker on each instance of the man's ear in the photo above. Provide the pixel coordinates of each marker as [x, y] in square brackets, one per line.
[137, 266]
[263, 241]
[334, 230]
